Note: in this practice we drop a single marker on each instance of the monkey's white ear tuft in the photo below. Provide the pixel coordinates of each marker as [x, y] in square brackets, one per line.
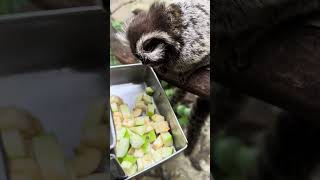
[122, 37]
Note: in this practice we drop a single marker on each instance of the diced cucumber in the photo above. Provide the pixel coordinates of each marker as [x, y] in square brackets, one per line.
[50, 157]
[157, 156]
[147, 160]
[138, 129]
[157, 117]
[14, 146]
[161, 126]
[147, 99]
[167, 151]
[146, 147]
[136, 140]
[130, 158]
[137, 112]
[122, 147]
[126, 166]
[149, 91]
[132, 170]
[114, 107]
[167, 139]
[150, 136]
[141, 105]
[124, 109]
[150, 110]
[121, 133]
[157, 143]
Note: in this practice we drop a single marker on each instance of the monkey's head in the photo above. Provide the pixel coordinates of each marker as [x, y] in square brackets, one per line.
[150, 36]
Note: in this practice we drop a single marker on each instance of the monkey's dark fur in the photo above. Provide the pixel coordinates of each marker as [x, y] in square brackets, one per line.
[240, 26]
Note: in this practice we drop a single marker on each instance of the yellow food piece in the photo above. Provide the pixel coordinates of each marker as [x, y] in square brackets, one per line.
[20, 119]
[161, 126]
[137, 112]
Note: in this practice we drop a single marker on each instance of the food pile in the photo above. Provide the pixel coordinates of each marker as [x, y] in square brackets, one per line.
[143, 136]
[33, 154]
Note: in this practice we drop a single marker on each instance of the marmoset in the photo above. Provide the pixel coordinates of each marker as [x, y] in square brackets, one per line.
[174, 39]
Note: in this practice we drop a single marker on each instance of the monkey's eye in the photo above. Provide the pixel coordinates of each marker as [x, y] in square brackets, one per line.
[151, 44]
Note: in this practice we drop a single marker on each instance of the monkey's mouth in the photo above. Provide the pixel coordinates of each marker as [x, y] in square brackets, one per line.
[153, 63]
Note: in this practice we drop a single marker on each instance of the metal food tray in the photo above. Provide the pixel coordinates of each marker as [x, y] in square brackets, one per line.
[127, 81]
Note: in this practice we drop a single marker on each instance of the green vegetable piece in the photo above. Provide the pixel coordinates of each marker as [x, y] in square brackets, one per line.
[141, 120]
[150, 110]
[130, 158]
[139, 129]
[146, 147]
[114, 107]
[136, 140]
[147, 99]
[127, 167]
[121, 133]
[150, 136]
[167, 139]
[157, 155]
[122, 147]
[149, 91]
[166, 151]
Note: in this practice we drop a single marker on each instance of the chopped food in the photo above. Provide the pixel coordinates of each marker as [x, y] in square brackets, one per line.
[141, 105]
[150, 110]
[147, 99]
[149, 91]
[49, 155]
[166, 139]
[157, 117]
[161, 126]
[143, 136]
[34, 155]
[137, 112]
[13, 144]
